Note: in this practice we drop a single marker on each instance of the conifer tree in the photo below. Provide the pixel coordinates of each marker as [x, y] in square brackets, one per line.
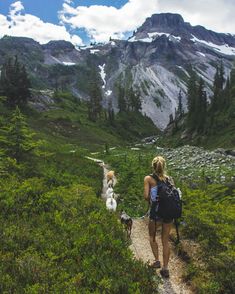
[137, 104]
[122, 104]
[111, 115]
[14, 83]
[216, 91]
[134, 100]
[95, 102]
[179, 111]
[231, 105]
[221, 75]
[227, 96]
[201, 106]
[192, 87]
[17, 139]
[217, 99]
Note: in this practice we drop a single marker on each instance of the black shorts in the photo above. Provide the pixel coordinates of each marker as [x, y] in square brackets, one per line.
[154, 217]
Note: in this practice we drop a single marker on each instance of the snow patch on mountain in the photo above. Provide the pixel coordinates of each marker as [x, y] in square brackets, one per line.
[157, 34]
[146, 40]
[224, 49]
[174, 38]
[108, 92]
[102, 74]
[200, 53]
[152, 36]
[63, 60]
[93, 51]
[68, 63]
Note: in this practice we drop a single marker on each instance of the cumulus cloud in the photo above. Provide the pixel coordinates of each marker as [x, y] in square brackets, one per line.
[217, 15]
[102, 22]
[19, 24]
[16, 7]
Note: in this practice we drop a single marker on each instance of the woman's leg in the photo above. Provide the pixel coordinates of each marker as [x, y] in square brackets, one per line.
[166, 228]
[152, 238]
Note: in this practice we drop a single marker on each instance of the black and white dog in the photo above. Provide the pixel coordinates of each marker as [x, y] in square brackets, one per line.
[126, 220]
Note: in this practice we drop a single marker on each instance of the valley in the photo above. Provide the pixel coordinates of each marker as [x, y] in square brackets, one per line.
[168, 90]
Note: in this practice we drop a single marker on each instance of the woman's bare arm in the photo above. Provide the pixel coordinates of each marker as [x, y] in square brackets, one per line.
[146, 189]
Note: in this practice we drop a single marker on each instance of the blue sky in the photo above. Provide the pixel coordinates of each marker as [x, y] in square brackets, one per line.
[47, 9]
[83, 21]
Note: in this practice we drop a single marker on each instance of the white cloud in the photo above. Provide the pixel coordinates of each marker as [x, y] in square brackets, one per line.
[27, 25]
[101, 22]
[16, 7]
[217, 15]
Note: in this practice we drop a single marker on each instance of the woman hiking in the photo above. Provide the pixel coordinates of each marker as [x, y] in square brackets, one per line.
[151, 195]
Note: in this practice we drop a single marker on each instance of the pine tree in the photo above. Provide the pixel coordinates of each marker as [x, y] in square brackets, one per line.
[17, 139]
[122, 104]
[192, 90]
[179, 111]
[14, 83]
[216, 90]
[111, 115]
[201, 106]
[137, 104]
[171, 119]
[231, 105]
[221, 75]
[227, 96]
[95, 102]
[217, 100]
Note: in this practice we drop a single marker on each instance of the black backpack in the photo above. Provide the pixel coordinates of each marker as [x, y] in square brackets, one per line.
[170, 204]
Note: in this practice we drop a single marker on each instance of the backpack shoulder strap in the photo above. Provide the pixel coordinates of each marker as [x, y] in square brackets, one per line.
[170, 181]
[155, 177]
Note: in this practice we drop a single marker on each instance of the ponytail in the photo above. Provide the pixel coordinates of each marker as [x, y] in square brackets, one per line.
[159, 165]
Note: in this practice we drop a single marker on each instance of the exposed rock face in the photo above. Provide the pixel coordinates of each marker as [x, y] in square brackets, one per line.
[155, 61]
[174, 24]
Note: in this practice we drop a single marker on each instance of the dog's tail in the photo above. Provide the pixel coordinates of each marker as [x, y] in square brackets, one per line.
[110, 183]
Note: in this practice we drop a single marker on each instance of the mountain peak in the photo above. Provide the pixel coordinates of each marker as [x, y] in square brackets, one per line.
[173, 24]
[61, 44]
[165, 22]
[167, 19]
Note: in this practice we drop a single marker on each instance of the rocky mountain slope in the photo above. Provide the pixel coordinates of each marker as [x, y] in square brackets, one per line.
[155, 61]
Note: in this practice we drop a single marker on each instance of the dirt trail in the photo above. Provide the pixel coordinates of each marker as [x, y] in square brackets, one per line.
[141, 248]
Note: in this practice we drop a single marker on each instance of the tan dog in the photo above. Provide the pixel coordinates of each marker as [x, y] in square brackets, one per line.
[110, 178]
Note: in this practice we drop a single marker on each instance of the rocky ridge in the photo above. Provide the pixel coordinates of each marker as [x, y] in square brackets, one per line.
[155, 61]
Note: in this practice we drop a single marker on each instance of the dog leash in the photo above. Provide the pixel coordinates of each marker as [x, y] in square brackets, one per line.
[145, 215]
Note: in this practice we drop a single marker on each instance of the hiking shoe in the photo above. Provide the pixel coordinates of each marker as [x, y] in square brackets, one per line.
[156, 264]
[164, 273]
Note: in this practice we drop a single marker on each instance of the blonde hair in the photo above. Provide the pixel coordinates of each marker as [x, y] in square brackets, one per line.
[159, 165]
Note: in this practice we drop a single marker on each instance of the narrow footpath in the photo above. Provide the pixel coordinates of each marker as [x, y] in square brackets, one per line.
[141, 249]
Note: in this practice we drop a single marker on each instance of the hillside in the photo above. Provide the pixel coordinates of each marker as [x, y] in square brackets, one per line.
[209, 125]
[154, 62]
[58, 236]
[61, 105]
[66, 118]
